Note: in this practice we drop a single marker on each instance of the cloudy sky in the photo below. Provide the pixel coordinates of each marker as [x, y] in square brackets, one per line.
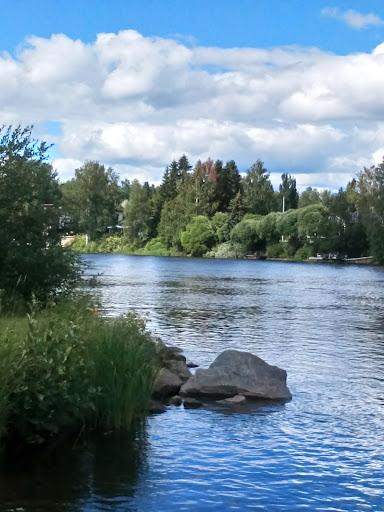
[135, 84]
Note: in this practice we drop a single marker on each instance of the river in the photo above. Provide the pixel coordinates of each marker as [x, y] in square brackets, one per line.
[322, 451]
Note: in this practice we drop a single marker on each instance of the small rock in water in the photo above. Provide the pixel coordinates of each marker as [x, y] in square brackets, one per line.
[175, 400]
[156, 407]
[191, 403]
[190, 364]
[234, 400]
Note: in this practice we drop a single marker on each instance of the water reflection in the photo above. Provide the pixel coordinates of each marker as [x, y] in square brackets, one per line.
[89, 474]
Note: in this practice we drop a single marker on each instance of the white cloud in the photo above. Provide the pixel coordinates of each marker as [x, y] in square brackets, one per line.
[353, 19]
[136, 102]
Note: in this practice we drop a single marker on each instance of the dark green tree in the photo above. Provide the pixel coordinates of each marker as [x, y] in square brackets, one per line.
[258, 190]
[95, 196]
[228, 185]
[138, 214]
[289, 197]
[32, 261]
[176, 214]
[370, 186]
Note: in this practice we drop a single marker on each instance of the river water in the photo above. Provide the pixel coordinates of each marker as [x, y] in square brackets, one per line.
[324, 450]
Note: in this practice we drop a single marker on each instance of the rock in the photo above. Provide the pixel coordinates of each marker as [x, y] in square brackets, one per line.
[233, 400]
[156, 407]
[166, 384]
[192, 365]
[167, 352]
[179, 368]
[191, 403]
[175, 400]
[233, 373]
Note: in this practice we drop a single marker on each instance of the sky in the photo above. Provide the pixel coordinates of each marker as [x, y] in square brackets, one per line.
[134, 84]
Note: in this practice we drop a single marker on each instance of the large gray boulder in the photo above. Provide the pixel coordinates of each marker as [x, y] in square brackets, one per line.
[234, 372]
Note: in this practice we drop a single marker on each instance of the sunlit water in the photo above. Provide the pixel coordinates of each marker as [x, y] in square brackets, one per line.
[323, 451]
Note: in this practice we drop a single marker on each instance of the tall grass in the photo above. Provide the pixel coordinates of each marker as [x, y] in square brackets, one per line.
[65, 368]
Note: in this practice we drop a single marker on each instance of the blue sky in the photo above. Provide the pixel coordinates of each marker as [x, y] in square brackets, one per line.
[225, 23]
[177, 77]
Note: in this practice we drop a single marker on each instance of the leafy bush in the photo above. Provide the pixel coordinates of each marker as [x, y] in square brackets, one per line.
[224, 251]
[68, 368]
[221, 226]
[156, 247]
[245, 236]
[198, 236]
[278, 250]
[303, 253]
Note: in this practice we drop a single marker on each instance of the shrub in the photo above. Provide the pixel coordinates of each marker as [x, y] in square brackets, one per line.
[303, 253]
[68, 368]
[224, 250]
[198, 236]
[278, 250]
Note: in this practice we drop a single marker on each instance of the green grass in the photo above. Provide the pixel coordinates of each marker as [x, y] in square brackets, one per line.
[65, 368]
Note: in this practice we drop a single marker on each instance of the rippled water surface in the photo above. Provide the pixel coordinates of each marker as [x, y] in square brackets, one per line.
[323, 451]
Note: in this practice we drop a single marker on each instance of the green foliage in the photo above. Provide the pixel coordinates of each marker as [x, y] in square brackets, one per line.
[370, 186]
[303, 253]
[258, 190]
[286, 224]
[278, 250]
[175, 216]
[228, 185]
[312, 222]
[288, 192]
[309, 196]
[221, 226]
[68, 368]
[198, 236]
[224, 250]
[91, 198]
[139, 214]
[267, 227]
[105, 244]
[245, 236]
[32, 261]
[155, 247]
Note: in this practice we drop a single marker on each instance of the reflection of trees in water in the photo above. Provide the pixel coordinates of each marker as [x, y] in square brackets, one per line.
[100, 468]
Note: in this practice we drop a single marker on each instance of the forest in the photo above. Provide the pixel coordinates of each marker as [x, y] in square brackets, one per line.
[211, 209]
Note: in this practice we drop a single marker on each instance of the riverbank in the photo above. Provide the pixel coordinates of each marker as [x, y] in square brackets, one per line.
[118, 245]
[66, 369]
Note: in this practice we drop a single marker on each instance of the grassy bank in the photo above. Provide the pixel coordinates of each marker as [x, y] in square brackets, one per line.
[118, 244]
[66, 368]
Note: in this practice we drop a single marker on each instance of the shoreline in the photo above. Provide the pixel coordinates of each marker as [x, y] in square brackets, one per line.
[366, 260]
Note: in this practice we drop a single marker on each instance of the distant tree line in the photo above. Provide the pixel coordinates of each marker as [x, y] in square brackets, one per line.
[212, 209]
